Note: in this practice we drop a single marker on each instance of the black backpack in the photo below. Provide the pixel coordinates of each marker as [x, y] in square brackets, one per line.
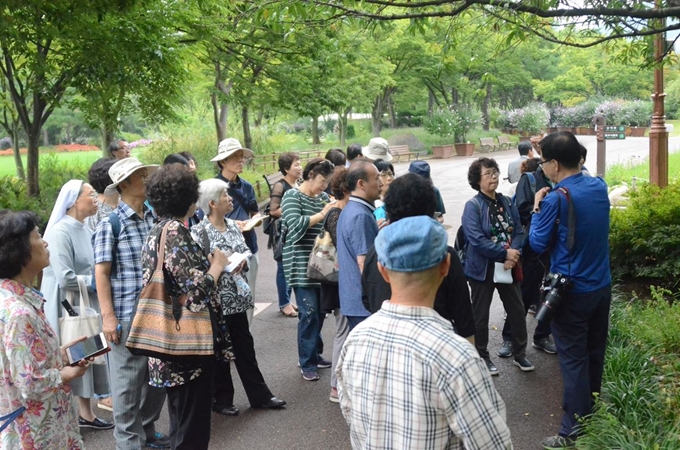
[460, 245]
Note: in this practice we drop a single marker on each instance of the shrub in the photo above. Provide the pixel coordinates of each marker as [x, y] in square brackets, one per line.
[440, 123]
[53, 174]
[645, 237]
[640, 396]
[533, 118]
[5, 143]
[350, 133]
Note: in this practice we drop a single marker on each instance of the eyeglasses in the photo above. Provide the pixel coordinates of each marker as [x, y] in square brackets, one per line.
[492, 174]
[540, 163]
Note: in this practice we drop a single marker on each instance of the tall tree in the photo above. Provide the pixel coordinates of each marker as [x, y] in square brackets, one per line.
[143, 72]
[43, 47]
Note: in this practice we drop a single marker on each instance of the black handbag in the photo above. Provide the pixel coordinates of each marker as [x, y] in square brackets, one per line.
[279, 239]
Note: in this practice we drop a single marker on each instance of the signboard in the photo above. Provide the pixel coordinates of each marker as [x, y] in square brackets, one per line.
[614, 128]
[614, 135]
[614, 132]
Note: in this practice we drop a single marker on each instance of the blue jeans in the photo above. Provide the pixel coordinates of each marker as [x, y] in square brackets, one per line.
[281, 286]
[580, 328]
[310, 321]
[353, 321]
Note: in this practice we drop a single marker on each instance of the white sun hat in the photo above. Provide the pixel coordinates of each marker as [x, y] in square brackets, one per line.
[123, 168]
[378, 148]
[228, 147]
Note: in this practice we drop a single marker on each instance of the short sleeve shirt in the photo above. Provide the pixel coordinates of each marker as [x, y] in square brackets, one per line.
[126, 276]
[357, 229]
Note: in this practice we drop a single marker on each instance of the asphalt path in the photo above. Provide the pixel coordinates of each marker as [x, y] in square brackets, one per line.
[533, 400]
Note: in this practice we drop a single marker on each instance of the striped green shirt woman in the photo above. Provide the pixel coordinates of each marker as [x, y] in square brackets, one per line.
[296, 209]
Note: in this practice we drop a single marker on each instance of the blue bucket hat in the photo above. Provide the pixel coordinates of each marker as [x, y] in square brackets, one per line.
[421, 168]
[412, 244]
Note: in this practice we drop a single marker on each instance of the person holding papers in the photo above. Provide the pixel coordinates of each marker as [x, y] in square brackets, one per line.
[215, 232]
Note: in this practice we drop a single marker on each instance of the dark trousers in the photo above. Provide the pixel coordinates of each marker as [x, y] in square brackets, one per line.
[189, 408]
[580, 328]
[534, 269]
[481, 296]
[246, 364]
[354, 321]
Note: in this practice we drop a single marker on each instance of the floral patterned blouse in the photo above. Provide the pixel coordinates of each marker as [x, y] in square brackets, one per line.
[30, 361]
[501, 222]
[188, 267]
[233, 290]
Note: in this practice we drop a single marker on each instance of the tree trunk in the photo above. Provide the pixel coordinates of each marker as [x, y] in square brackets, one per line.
[342, 126]
[106, 138]
[247, 138]
[33, 161]
[315, 130]
[18, 162]
[393, 115]
[258, 117]
[430, 101]
[485, 108]
[46, 137]
[220, 110]
[17, 152]
[376, 115]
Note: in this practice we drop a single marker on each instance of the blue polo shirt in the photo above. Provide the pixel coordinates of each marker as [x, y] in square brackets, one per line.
[588, 262]
[243, 190]
[356, 231]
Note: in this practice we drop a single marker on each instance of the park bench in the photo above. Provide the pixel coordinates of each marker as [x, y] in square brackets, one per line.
[272, 159]
[398, 151]
[504, 142]
[487, 144]
[272, 179]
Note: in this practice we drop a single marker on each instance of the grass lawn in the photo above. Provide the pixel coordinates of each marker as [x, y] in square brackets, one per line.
[7, 166]
[621, 173]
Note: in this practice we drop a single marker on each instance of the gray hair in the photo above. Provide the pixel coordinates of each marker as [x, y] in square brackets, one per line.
[208, 190]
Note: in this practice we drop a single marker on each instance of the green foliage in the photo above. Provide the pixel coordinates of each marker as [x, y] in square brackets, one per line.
[441, 123]
[640, 395]
[453, 123]
[645, 236]
[54, 173]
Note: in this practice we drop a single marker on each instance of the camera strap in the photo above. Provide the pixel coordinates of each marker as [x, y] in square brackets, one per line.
[571, 221]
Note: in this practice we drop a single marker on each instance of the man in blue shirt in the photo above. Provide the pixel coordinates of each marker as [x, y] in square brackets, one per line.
[356, 231]
[580, 323]
[230, 159]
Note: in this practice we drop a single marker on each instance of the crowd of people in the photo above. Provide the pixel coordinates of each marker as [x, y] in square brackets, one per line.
[410, 363]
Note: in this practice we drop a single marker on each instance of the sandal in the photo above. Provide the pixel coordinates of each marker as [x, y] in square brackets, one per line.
[292, 313]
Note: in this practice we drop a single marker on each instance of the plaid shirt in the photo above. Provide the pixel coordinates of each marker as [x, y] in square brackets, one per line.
[407, 381]
[126, 283]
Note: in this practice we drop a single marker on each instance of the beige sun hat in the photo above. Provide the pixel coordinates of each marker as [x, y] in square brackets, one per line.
[378, 148]
[230, 146]
[123, 168]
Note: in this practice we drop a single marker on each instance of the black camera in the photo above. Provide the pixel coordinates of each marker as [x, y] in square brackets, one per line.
[555, 286]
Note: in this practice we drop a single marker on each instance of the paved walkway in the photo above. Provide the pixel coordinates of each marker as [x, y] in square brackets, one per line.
[533, 399]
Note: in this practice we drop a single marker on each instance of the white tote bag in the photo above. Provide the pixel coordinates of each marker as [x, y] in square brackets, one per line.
[500, 275]
[86, 323]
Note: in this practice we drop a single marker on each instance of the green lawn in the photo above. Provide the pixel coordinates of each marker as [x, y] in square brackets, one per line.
[7, 166]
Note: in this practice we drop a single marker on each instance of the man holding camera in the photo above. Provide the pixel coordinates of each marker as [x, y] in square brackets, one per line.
[572, 222]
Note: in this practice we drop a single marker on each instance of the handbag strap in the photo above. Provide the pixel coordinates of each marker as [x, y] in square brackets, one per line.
[161, 246]
[84, 301]
[11, 417]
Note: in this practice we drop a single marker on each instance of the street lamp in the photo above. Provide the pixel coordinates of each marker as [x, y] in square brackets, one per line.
[658, 136]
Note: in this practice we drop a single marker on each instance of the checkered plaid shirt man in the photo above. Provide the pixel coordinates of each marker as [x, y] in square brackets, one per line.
[127, 281]
[406, 381]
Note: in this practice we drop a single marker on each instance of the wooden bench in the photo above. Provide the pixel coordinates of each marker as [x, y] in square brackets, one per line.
[504, 142]
[398, 151]
[272, 179]
[272, 159]
[487, 144]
